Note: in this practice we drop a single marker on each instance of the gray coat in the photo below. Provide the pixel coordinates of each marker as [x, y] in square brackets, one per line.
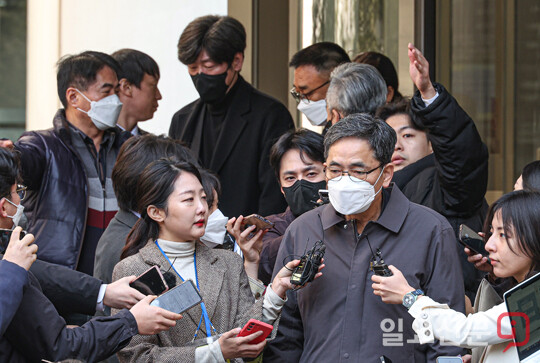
[111, 243]
[225, 291]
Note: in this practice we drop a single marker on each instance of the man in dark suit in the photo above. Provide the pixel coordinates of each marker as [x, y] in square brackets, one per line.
[232, 126]
[138, 90]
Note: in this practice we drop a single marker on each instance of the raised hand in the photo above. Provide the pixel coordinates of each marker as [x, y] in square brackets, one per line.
[419, 72]
[251, 245]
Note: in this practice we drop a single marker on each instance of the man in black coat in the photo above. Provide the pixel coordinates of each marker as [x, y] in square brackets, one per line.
[232, 126]
[440, 158]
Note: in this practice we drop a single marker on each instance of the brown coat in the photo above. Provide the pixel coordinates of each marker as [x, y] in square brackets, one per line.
[225, 291]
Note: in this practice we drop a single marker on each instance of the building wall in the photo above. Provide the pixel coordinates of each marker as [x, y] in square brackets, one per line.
[60, 27]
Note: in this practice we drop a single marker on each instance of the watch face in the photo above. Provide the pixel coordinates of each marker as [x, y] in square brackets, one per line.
[408, 300]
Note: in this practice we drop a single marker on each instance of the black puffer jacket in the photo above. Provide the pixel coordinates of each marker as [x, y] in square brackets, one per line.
[453, 180]
[57, 200]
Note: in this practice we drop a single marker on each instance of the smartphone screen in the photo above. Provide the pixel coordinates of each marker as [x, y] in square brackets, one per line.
[151, 282]
[472, 240]
[179, 298]
[449, 360]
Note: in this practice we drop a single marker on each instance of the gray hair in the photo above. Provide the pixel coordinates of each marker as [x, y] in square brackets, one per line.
[356, 88]
[380, 136]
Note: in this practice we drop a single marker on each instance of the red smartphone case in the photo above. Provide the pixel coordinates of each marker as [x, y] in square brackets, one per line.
[253, 326]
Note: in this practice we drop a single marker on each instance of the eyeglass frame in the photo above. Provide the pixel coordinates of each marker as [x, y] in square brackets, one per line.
[363, 178]
[304, 96]
[20, 190]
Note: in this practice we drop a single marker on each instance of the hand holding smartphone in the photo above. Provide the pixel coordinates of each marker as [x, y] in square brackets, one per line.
[470, 239]
[258, 221]
[253, 326]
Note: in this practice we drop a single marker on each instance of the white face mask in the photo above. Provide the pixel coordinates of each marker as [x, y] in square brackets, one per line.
[214, 234]
[18, 214]
[350, 195]
[103, 113]
[314, 111]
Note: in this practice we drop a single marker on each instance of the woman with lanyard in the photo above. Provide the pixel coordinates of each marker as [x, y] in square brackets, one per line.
[173, 209]
[512, 231]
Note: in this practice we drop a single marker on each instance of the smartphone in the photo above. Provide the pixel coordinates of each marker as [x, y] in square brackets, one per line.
[180, 298]
[150, 282]
[449, 360]
[5, 236]
[470, 239]
[253, 326]
[259, 222]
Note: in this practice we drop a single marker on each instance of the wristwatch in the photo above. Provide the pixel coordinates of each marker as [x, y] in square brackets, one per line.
[410, 298]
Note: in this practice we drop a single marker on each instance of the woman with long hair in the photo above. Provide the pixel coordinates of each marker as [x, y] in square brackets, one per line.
[174, 211]
[512, 232]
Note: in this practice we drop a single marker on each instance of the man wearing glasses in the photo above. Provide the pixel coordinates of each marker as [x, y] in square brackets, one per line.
[312, 68]
[338, 318]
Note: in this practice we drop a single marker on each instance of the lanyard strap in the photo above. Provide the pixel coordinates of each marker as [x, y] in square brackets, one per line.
[208, 325]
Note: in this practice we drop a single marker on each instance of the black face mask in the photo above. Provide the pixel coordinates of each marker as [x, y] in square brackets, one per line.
[211, 88]
[302, 196]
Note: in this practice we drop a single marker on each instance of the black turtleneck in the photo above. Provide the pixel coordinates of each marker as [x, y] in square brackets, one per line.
[214, 116]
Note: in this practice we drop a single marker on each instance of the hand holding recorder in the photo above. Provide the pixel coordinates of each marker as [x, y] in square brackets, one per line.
[393, 288]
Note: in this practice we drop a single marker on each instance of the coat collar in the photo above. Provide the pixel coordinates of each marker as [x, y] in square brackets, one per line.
[233, 124]
[392, 217]
[127, 218]
[209, 273]
[61, 128]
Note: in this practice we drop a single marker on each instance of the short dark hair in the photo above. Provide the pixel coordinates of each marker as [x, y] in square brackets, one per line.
[307, 142]
[80, 71]
[136, 153]
[9, 171]
[520, 214]
[385, 67]
[220, 36]
[210, 182]
[134, 64]
[401, 107]
[380, 136]
[324, 56]
[530, 176]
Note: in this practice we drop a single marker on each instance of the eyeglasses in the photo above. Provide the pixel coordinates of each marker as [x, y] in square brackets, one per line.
[304, 96]
[336, 174]
[21, 190]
